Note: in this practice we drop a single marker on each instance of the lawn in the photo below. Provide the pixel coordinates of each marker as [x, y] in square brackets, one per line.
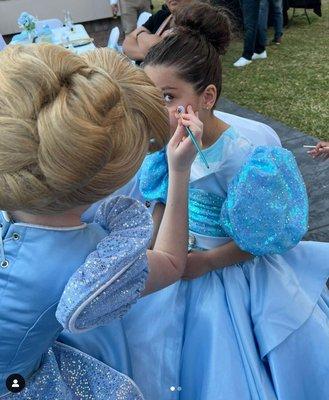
[292, 85]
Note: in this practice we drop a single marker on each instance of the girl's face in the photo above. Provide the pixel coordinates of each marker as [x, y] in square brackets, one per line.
[176, 92]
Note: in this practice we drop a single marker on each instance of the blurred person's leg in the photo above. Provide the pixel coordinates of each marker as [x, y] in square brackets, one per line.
[277, 20]
[260, 48]
[129, 15]
[144, 5]
[263, 22]
[250, 12]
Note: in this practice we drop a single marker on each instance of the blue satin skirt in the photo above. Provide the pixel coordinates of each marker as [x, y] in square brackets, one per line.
[257, 330]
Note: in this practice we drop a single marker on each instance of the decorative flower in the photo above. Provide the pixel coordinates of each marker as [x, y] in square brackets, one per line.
[26, 21]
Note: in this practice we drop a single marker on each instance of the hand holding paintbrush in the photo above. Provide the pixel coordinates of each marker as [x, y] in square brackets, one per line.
[180, 151]
[192, 125]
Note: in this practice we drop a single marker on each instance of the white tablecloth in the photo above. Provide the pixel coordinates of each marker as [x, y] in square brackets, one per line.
[79, 32]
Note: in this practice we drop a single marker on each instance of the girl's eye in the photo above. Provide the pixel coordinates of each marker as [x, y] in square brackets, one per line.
[168, 98]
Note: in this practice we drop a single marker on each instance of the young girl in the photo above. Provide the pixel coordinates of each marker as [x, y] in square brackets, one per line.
[255, 322]
[73, 130]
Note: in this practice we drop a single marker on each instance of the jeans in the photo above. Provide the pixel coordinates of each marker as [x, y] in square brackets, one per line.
[252, 42]
[277, 18]
[130, 10]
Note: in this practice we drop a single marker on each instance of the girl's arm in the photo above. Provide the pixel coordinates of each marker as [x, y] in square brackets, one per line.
[167, 260]
[201, 262]
[157, 216]
[225, 255]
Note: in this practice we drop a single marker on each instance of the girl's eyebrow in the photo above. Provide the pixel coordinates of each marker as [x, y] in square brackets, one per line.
[168, 88]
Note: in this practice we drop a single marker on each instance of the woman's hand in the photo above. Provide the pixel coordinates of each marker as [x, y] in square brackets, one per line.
[321, 150]
[197, 265]
[167, 32]
[181, 151]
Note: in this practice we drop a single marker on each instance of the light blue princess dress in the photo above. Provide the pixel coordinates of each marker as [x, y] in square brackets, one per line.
[52, 278]
[257, 330]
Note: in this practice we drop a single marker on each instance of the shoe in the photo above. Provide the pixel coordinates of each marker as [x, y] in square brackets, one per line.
[259, 56]
[242, 62]
[276, 41]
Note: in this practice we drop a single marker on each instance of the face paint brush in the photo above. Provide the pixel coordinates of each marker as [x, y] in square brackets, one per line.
[181, 110]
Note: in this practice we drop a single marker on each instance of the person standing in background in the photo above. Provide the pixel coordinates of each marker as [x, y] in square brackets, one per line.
[253, 46]
[130, 11]
[277, 20]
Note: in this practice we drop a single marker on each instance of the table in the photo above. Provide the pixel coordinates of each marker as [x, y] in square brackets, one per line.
[79, 32]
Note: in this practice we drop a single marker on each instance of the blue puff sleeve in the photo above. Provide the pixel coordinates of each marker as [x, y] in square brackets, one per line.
[153, 183]
[113, 276]
[266, 209]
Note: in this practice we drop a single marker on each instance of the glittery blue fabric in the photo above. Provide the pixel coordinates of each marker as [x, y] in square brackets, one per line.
[154, 177]
[266, 209]
[114, 275]
[69, 374]
[204, 209]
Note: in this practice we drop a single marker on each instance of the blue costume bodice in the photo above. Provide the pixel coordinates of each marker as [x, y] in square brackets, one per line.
[47, 282]
[40, 262]
[235, 198]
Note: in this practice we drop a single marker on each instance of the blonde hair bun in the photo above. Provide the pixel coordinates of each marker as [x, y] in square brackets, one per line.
[72, 128]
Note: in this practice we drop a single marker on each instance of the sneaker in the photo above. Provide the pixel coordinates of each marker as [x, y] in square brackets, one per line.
[276, 41]
[259, 56]
[242, 62]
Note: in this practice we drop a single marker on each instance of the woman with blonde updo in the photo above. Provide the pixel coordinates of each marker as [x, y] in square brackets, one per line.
[73, 130]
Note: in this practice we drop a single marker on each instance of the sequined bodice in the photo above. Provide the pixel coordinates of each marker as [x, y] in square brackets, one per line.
[254, 195]
[204, 213]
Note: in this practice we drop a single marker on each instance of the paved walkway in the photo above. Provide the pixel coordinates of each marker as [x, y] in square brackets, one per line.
[315, 172]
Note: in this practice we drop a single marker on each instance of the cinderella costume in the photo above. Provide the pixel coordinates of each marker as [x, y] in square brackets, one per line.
[40, 279]
[254, 330]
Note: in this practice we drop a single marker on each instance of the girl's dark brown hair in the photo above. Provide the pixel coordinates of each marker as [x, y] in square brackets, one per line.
[201, 36]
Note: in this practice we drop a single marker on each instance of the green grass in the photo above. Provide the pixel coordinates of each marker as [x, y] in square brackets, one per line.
[292, 85]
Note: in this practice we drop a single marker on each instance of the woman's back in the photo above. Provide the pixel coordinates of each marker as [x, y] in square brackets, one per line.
[40, 262]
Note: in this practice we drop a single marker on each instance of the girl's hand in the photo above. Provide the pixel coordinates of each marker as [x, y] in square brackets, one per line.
[322, 149]
[181, 151]
[197, 265]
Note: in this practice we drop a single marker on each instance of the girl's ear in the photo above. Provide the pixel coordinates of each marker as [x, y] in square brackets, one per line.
[209, 97]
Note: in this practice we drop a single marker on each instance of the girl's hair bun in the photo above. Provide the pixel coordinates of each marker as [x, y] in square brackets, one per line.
[202, 19]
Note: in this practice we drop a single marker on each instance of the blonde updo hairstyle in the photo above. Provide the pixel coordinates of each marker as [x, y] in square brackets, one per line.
[73, 129]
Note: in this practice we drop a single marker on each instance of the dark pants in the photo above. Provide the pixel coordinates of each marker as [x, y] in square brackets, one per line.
[252, 40]
[277, 19]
